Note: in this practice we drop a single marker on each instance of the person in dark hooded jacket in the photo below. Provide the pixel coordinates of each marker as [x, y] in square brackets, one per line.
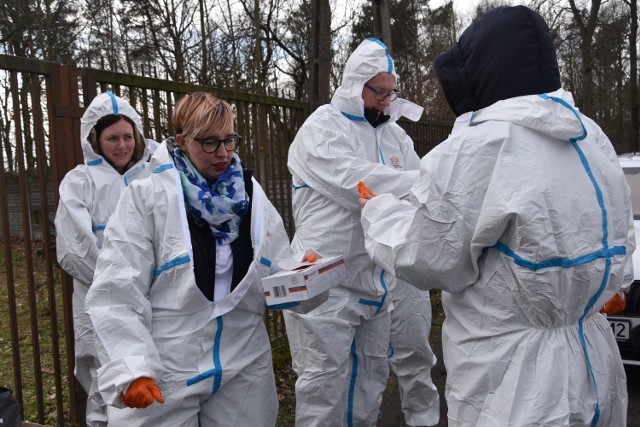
[523, 217]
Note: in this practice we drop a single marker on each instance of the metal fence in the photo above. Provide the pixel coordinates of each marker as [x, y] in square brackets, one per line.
[39, 144]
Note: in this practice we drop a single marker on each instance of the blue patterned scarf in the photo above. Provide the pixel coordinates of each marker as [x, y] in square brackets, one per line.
[222, 205]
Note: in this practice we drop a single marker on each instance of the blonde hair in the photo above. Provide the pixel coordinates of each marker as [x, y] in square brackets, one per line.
[198, 112]
[108, 120]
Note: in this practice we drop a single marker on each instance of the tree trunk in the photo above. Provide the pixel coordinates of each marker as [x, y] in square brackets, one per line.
[319, 57]
[203, 46]
[257, 84]
[633, 77]
[587, 30]
[5, 132]
[382, 23]
[235, 71]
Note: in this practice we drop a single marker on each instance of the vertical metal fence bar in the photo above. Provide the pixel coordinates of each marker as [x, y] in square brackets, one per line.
[157, 123]
[267, 137]
[269, 114]
[26, 222]
[258, 158]
[169, 126]
[11, 290]
[145, 114]
[47, 244]
[247, 149]
[133, 96]
[63, 90]
[282, 182]
[89, 90]
[292, 130]
[281, 163]
[274, 125]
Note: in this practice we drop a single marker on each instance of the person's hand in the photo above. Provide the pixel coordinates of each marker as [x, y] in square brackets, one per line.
[365, 194]
[364, 191]
[141, 393]
[615, 305]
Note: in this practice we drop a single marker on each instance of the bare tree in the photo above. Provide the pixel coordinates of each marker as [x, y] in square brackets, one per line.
[441, 33]
[100, 43]
[382, 23]
[586, 22]
[485, 6]
[296, 64]
[262, 31]
[172, 34]
[5, 127]
[633, 75]
[38, 29]
[203, 44]
[226, 46]
[320, 52]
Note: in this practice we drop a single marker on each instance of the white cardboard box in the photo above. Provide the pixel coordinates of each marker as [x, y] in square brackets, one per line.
[303, 280]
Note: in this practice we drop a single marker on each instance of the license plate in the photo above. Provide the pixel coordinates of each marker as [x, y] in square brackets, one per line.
[621, 329]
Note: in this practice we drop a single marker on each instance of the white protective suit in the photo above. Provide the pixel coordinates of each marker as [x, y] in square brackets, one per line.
[523, 217]
[410, 355]
[211, 360]
[339, 350]
[88, 196]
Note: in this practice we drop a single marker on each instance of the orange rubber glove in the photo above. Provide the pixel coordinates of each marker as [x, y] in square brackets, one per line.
[364, 191]
[141, 393]
[615, 304]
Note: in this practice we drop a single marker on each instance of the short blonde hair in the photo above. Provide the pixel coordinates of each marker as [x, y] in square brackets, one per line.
[198, 112]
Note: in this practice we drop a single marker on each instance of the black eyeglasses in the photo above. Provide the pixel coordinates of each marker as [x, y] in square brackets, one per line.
[211, 144]
[381, 95]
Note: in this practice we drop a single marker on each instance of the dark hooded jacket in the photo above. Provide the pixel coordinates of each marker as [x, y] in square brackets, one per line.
[484, 66]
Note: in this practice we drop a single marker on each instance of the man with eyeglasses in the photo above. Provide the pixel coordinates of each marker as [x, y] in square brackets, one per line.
[340, 350]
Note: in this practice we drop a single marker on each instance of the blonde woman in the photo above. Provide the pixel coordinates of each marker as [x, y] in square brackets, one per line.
[177, 300]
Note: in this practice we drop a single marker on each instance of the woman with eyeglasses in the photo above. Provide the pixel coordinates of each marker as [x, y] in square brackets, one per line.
[177, 300]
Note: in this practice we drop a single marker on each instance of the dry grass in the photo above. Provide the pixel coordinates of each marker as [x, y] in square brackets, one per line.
[34, 329]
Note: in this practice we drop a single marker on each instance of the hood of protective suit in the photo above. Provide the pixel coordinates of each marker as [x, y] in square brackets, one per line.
[486, 65]
[558, 120]
[104, 104]
[368, 60]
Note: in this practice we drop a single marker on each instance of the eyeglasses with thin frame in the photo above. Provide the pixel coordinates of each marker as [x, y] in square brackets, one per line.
[211, 144]
[381, 95]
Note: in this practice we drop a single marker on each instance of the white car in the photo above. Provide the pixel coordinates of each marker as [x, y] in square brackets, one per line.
[626, 325]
